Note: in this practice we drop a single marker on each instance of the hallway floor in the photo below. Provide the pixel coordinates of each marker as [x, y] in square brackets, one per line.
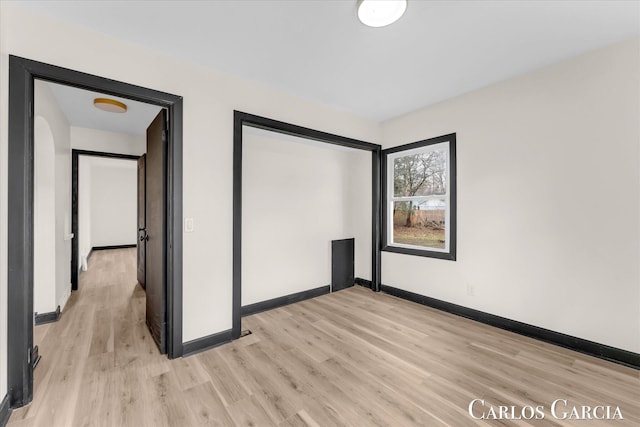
[350, 358]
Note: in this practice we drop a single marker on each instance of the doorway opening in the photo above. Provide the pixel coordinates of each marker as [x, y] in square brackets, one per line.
[82, 245]
[22, 73]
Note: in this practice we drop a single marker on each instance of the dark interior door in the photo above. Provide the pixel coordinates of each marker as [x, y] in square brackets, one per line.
[342, 265]
[142, 226]
[155, 217]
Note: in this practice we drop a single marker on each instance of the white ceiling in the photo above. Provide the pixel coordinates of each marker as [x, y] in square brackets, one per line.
[77, 105]
[318, 50]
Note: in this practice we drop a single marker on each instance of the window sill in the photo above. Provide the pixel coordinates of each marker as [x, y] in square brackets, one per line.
[450, 256]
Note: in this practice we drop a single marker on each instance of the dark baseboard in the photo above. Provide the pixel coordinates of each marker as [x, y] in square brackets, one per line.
[53, 316]
[602, 351]
[5, 411]
[102, 248]
[363, 282]
[250, 309]
[205, 343]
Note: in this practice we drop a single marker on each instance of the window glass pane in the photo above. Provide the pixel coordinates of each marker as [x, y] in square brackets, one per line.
[420, 223]
[421, 174]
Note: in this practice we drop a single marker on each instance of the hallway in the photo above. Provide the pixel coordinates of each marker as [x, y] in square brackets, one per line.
[99, 344]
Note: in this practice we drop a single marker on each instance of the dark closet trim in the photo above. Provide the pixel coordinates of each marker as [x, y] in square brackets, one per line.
[301, 131]
[22, 73]
[75, 188]
[42, 318]
[5, 411]
[248, 310]
[363, 282]
[206, 343]
[241, 119]
[601, 351]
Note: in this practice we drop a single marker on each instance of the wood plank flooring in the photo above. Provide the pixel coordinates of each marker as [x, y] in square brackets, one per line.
[352, 358]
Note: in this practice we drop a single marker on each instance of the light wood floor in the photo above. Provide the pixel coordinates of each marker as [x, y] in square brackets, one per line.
[350, 358]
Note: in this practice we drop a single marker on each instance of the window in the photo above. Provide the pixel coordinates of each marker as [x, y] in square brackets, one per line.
[419, 201]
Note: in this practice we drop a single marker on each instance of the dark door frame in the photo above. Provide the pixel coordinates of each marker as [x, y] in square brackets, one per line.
[241, 119]
[75, 187]
[141, 220]
[22, 73]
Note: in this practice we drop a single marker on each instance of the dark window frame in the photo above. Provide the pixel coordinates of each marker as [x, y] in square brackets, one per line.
[452, 183]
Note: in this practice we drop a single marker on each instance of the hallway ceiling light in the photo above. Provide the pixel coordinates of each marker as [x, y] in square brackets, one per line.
[110, 105]
[380, 13]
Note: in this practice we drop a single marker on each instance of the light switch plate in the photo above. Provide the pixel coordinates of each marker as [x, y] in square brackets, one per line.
[188, 225]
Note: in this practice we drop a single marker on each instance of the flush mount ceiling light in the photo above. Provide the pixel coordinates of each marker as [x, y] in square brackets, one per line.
[110, 105]
[380, 13]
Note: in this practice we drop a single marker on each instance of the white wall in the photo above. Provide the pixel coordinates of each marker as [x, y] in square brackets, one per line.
[548, 198]
[44, 219]
[357, 194]
[209, 100]
[296, 198]
[113, 202]
[107, 142]
[107, 203]
[46, 107]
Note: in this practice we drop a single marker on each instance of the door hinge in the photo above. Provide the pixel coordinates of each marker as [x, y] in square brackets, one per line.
[35, 357]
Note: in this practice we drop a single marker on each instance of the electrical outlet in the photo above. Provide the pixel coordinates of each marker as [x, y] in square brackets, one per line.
[470, 290]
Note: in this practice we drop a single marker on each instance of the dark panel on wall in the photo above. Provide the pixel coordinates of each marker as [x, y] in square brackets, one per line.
[342, 264]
